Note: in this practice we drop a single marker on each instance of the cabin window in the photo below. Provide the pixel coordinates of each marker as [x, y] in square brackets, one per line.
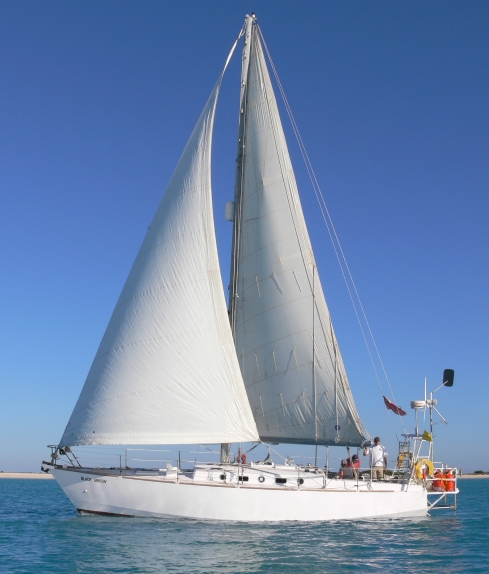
[244, 478]
[280, 480]
[223, 477]
[300, 481]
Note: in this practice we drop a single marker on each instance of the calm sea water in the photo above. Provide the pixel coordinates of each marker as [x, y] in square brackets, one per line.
[41, 532]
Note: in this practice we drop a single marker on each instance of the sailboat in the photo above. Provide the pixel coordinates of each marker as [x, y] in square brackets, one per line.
[177, 365]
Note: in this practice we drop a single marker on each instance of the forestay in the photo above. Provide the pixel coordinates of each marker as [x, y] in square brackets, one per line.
[280, 306]
[166, 370]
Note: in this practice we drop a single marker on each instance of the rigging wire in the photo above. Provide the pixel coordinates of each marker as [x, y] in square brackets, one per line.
[338, 249]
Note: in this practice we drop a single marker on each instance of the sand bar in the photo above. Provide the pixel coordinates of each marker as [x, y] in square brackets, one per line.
[473, 476]
[31, 475]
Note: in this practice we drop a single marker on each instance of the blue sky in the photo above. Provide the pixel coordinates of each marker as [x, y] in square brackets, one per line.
[97, 100]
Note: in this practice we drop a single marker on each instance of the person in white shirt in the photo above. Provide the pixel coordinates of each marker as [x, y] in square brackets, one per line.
[378, 459]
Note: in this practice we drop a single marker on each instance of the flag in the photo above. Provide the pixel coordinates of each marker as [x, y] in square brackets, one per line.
[427, 436]
[394, 408]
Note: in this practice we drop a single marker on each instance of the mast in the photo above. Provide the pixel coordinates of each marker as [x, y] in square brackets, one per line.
[233, 286]
[238, 188]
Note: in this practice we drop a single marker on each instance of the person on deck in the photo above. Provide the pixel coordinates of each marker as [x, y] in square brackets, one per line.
[349, 467]
[378, 459]
[345, 472]
[354, 464]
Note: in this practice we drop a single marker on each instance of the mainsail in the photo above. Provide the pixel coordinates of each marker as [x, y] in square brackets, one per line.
[166, 370]
[285, 342]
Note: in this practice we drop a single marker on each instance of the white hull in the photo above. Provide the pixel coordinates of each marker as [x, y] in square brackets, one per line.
[162, 497]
